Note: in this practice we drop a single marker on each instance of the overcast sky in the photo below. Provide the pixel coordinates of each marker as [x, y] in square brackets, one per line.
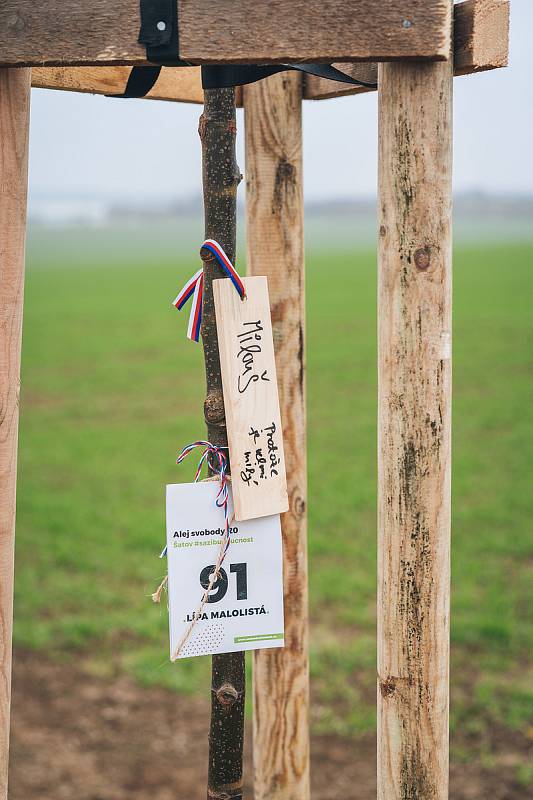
[99, 147]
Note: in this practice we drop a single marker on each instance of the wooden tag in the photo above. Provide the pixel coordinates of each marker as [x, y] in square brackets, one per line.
[251, 399]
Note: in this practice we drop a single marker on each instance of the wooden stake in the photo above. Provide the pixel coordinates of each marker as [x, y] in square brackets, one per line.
[274, 204]
[14, 128]
[221, 178]
[415, 169]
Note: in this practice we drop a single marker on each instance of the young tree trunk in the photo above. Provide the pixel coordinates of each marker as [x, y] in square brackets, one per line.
[221, 177]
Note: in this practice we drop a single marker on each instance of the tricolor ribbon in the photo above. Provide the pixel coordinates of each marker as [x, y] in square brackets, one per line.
[226, 265]
[195, 288]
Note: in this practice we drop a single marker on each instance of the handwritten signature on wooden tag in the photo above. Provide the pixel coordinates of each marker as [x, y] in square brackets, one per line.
[251, 399]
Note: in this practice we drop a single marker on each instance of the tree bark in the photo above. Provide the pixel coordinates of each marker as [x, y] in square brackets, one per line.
[221, 177]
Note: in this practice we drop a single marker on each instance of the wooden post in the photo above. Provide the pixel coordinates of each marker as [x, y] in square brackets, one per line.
[274, 205]
[14, 129]
[221, 178]
[415, 169]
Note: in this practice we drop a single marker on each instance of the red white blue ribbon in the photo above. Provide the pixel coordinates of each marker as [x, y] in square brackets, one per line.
[187, 291]
[226, 265]
[195, 288]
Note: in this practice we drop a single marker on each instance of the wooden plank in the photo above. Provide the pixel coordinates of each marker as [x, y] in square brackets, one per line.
[179, 84]
[481, 42]
[67, 32]
[14, 132]
[251, 400]
[182, 84]
[322, 89]
[481, 35]
[275, 243]
[414, 449]
[481, 38]
[313, 30]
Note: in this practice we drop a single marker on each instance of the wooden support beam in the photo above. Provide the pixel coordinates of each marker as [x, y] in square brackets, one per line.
[481, 42]
[481, 35]
[274, 206]
[14, 132]
[414, 448]
[323, 89]
[181, 84]
[176, 84]
[67, 32]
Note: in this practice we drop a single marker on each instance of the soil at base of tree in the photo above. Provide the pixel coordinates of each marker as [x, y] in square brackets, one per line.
[77, 736]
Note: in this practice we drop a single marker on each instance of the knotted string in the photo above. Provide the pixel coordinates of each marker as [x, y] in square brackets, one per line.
[195, 288]
[217, 462]
[220, 468]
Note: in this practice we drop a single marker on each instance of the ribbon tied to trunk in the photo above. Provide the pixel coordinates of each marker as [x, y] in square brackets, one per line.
[195, 288]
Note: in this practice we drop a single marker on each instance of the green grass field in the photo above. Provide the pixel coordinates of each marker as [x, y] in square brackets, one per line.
[112, 389]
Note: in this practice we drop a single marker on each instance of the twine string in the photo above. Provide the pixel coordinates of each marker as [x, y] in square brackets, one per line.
[217, 462]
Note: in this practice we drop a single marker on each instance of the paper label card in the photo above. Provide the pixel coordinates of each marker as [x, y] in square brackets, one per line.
[251, 399]
[245, 607]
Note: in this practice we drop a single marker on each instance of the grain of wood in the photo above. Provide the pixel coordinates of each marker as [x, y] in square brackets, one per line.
[68, 32]
[313, 30]
[414, 319]
[14, 130]
[316, 88]
[180, 84]
[481, 35]
[176, 84]
[275, 247]
[481, 42]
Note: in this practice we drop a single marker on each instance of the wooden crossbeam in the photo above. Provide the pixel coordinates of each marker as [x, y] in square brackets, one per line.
[178, 85]
[182, 84]
[481, 42]
[481, 36]
[70, 33]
